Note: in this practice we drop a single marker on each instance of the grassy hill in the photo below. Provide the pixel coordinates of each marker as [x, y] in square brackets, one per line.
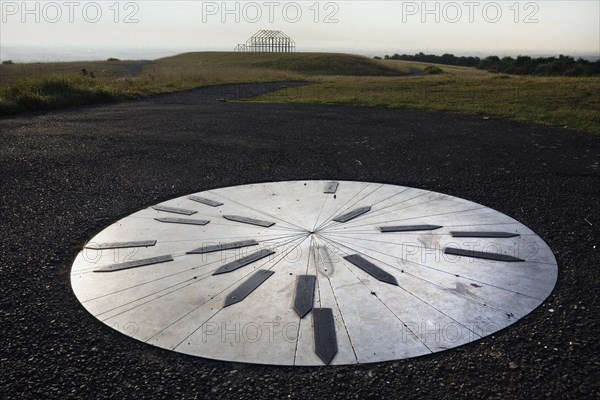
[301, 63]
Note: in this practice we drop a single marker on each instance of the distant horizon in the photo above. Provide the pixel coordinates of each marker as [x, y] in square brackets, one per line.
[32, 54]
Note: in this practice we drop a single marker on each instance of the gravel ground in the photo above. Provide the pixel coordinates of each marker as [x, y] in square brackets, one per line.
[66, 175]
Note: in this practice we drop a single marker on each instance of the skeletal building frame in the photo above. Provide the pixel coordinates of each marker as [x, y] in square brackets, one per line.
[268, 41]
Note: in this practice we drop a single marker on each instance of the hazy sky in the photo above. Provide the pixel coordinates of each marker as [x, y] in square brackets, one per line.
[47, 30]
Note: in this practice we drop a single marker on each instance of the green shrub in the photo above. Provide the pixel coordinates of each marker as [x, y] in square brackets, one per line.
[52, 92]
[432, 70]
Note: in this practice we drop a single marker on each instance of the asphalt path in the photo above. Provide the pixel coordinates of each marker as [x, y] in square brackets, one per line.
[66, 175]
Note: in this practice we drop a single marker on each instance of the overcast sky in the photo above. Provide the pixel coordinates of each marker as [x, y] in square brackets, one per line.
[46, 30]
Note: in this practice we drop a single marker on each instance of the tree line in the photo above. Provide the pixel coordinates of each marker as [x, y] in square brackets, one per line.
[521, 65]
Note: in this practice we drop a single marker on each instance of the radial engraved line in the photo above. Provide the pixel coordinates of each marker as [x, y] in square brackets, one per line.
[277, 236]
[219, 293]
[304, 216]
[340, 311]
[327, 197]
[380, 241]
[406, 189]
[285, 229]
[379, 212]
[214, 219]
[310, 253]
[290, 191]
[343, 205]
[346, 207]
[308, 225]
[259, 211]
[195, 330]
[406, 219]
[275, 227]
[490, 224]
[153, 281]
[167, 289]
[441, 270]
[202, 277]
[249, 226]
[351, 234]
[376, 231]
[376, 213]
[156, 298]
[325, 219]
[199, 214]
[372, 205]
[213, 314]
[186, 253]
[300, 319]
[500, 310]
[430, 305]
[402, 244]
[316, 260]
[385, 305]
[296, 246]
[178, 255]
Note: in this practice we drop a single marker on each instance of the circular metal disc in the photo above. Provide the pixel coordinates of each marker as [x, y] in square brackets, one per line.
[313, 273]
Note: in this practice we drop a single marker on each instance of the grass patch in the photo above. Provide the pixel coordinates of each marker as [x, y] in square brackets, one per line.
[55, 91]
[558, 101]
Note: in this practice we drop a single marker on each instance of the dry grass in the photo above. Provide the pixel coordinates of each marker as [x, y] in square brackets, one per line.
[11, 73]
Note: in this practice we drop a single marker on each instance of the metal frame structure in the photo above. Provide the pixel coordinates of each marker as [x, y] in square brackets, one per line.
[267, 41]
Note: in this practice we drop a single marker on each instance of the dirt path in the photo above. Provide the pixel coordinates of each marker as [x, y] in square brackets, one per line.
[136, 69]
